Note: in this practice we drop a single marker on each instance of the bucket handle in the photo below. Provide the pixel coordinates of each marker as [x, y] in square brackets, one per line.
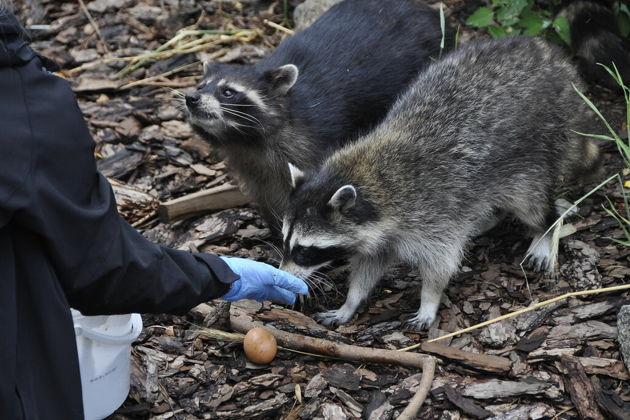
[136, 327]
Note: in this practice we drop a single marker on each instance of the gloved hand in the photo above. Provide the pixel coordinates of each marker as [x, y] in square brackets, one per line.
[261, 281]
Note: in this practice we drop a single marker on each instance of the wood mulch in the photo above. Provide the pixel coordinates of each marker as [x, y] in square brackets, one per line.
[561, 361]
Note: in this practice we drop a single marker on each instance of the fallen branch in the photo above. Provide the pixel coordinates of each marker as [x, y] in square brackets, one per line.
[485, 362]
[224, 196]
[521, 311]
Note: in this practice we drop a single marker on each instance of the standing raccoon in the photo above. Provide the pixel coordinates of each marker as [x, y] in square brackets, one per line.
[485, 130]
[319, 89]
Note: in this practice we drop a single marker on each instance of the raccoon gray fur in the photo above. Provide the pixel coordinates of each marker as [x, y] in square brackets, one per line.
[596, 38]
[485, 130]
[319, 89]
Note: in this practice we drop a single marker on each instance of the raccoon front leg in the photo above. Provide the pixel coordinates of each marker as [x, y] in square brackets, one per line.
[435, 271]
[365, 274]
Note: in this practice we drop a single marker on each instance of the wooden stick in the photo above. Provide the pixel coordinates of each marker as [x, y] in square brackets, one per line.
[522, 311]
[278, 27]
[240, 320]
[224, 196]
[485, 362]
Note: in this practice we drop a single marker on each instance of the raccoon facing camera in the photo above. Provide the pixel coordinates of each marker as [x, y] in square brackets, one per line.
[318, 90]
[485, 131]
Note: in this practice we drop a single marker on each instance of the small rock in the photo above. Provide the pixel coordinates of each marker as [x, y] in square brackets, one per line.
[623, 331]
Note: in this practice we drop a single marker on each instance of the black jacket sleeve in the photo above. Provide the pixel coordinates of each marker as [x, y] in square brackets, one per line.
[49, 185]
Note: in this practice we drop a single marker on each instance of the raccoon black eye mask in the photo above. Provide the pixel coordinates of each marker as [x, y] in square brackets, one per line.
[311, 256]
[460, 147]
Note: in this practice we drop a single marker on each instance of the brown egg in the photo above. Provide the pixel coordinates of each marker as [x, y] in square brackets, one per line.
[260, 346]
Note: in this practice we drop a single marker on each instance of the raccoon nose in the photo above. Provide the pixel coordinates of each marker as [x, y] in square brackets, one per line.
[193, 99]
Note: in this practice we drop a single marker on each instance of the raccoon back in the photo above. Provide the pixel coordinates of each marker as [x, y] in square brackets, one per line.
[490, 112]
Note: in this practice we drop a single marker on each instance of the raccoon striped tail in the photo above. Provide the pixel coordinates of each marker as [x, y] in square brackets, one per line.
[596, 38]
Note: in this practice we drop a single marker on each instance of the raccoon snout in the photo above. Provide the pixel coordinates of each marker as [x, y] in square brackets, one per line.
[193, 99]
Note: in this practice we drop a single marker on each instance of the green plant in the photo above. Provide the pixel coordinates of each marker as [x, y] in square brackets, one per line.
[623, 17]
[623, 146]
[527, 17]
[513, 17]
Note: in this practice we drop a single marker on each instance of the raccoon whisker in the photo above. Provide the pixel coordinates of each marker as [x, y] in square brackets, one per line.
[176, 92]
[326, 282]
[235, 125]
[243, 116]
[277, 250]
[315, 288]
[234, 113]
[224, 104]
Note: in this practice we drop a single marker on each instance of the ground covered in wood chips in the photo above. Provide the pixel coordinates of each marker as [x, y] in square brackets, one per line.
[561, 361]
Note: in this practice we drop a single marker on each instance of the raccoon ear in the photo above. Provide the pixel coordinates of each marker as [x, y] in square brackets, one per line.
[280, 80]
[297, 176]
[210, 67]
[344, 198]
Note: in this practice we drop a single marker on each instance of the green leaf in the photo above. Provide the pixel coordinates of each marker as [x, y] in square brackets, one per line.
[561, 26]
[624, 24]
[481, 18]
[509, 13]
[497, 31]
[595, 136]
[532, 23]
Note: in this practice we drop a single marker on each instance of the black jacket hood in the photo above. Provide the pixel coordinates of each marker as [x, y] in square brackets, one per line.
[13, 46]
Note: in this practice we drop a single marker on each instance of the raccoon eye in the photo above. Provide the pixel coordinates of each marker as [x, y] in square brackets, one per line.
[227, 92]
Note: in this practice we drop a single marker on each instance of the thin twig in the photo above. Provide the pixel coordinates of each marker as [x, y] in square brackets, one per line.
[168, 73]
[279, 27]
[522, 311]
[87, 13]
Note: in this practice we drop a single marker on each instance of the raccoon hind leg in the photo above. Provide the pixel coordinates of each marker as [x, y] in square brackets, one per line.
[539, 216]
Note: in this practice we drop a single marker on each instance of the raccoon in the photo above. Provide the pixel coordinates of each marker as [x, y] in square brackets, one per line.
[320, 88]
[596, 38]
[485, 130]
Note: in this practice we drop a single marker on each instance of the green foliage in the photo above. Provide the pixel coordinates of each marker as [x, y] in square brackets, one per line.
[513, 17]
[527, 17]
[623, 146]
[623, 17]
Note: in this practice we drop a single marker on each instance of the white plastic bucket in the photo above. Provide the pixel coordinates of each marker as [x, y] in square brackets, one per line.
[104, 347]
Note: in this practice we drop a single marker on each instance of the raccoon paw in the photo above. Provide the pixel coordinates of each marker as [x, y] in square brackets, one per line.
[333, 318]
[536, 263]
[540, 254]
[420, 322]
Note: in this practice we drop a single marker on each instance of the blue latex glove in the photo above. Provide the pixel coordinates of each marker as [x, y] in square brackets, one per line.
[260, 281]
